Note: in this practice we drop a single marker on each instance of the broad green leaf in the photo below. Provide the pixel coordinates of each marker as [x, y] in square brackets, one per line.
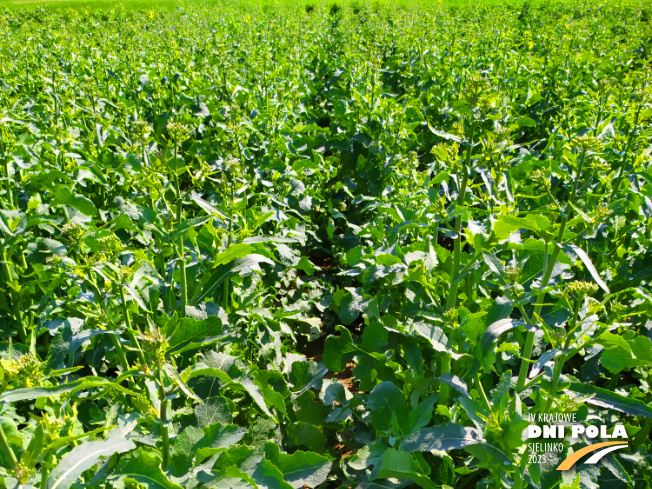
[82, 458]
[30, 457]
[194, 330]
[525, 121]
[10, 428]
[236, 250]
[444, 135]
[267, 475]
[499, 393]
[66, 440]
[421, 415]
[145, 469]
[642, 348]
[306, 375]
[447, 436]
[494, 264]
[135, 295]
[272, 398]
[456, 383]
[241, 266]
[183, 450]
[220, 435]
[350, 307]
[338, 350]
[365, 371]
[75, 386]
[300, 469]
[307, 266]
[202, 443]
[387, 405]
[401, 465]
[588, 264]
[78, 339]
[64, 196]
[617, 355]
[256, 395]
[213, 410]
[333, 391]
[611, 400]
[303, 434]
[436, 336]
[172, 372]
[496, 329]
[228, 482]
[353, 255]
[214, 363]
[505, 225]
[269, 239]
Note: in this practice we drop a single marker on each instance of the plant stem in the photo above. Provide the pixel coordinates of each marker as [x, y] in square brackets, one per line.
[165, 449]
[518, 483]
[549, 265]
[114, 337]
[10, 185]
[444, 389]
[457, 251]
[227, 285]
[184, 285]
[44, 471]
[485, 399]
[451, 300]
[529, 339]
[616, 183]
[559, 364]
[130, 329]
[6, 449]
[10, 281]
[120, 352]
[180, 249]
[556, 372]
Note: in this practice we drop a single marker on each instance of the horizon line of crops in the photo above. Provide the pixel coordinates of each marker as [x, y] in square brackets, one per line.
[281, 5]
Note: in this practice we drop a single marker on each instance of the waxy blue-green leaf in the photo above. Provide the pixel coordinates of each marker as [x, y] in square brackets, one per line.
[194, 330]
[144, 468]
[498, 328]
[82, 458]
[401, 465]
[388, 408]
[27, 393]
[230, 266]
[300, 469]
[588, 264]
[610, 400]
[447, 436]
[33, 451]
[338, 350]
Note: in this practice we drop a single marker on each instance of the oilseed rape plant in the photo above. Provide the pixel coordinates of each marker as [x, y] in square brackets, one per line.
[325, 245]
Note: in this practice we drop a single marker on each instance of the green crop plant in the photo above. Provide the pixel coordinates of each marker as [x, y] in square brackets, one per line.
[327, 245]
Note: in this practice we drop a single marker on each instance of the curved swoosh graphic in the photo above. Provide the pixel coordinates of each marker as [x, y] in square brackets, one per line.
[574, 457]
[596, 457]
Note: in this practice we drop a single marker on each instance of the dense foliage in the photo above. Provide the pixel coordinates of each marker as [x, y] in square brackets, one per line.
[326, 246]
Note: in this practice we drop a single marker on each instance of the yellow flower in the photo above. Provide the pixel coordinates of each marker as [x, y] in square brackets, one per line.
[529, 43]
[150, 14]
